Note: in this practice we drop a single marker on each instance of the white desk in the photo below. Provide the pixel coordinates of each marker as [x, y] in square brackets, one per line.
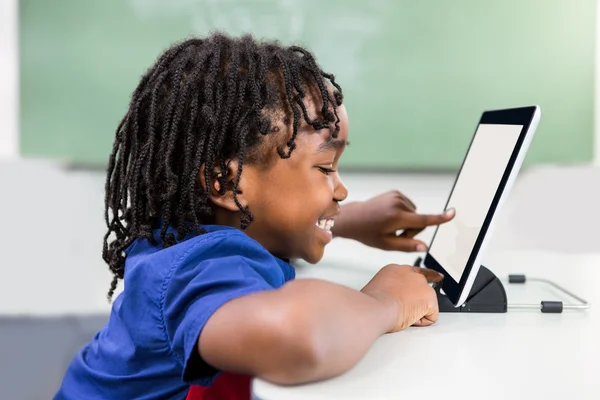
[517, 355]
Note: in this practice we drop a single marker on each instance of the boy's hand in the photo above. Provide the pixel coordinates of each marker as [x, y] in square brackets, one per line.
[375, 222]
[407, 288]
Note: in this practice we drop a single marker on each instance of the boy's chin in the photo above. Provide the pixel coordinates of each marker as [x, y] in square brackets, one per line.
[314, 256]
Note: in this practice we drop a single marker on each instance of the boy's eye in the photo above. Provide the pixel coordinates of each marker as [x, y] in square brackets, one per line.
[326, 171]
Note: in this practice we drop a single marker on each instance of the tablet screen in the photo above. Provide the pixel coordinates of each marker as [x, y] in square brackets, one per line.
[472, 195]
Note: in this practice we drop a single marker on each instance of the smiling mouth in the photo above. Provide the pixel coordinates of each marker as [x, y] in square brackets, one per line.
[326, 224]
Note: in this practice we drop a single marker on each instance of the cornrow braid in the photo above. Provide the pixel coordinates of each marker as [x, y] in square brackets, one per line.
[203, 102]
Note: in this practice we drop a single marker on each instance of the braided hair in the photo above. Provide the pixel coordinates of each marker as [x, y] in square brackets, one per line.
[204, 101]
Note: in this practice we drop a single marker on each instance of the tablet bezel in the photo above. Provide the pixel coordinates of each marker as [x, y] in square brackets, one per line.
[528, 117]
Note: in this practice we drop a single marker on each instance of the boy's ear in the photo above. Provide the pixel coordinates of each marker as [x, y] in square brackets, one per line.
[221, 183]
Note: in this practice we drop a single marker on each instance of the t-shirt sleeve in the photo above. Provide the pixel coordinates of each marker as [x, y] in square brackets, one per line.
[199, 286]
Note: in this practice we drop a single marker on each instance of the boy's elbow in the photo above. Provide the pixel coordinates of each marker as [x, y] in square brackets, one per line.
[302, 355]
[301, 364]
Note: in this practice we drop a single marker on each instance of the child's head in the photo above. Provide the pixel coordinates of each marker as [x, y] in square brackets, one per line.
[228, 131]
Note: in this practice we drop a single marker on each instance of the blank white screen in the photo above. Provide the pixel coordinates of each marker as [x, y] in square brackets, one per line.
[473, 194]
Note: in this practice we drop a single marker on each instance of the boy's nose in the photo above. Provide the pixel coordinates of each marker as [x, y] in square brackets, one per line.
[341, 191]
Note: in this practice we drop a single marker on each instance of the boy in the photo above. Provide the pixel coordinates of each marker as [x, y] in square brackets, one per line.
[223, 169]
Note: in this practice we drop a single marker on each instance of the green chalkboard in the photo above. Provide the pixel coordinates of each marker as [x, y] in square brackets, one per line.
[417, 74]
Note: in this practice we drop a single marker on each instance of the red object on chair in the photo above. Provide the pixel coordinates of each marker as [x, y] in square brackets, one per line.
[227, 386]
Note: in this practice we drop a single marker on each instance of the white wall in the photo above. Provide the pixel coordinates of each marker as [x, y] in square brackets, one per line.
[9, 82]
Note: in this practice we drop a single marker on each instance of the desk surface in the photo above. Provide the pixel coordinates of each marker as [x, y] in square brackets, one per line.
[517, 355]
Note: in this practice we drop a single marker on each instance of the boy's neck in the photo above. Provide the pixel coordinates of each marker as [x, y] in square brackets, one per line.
[226, 218]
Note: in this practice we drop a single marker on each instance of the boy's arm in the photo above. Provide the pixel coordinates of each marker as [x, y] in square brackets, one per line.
[305, 331]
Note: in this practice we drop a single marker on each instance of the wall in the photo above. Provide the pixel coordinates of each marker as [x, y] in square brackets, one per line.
[415, 74]
[597, 99]
[9, 144]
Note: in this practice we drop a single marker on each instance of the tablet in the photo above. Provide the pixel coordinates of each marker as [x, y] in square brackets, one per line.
[484, 180]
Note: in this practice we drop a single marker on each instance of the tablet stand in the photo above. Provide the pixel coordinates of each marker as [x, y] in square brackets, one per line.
[487, 295]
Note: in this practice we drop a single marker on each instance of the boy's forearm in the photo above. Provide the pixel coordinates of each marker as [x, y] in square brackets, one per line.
[308, 330]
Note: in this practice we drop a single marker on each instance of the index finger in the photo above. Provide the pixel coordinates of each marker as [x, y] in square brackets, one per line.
[413, 220]
[429, 274]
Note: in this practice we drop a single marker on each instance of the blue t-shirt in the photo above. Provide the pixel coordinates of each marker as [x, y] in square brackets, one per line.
[148, 349]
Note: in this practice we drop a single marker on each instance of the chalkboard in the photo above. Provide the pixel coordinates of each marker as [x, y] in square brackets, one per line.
[416, 74]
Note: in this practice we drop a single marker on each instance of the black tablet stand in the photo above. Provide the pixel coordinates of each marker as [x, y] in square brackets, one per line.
[487, 295]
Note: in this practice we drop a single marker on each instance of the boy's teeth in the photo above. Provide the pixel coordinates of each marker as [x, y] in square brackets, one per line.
[325, 224]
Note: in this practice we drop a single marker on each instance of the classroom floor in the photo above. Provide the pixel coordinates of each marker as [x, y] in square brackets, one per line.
[54, 280]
